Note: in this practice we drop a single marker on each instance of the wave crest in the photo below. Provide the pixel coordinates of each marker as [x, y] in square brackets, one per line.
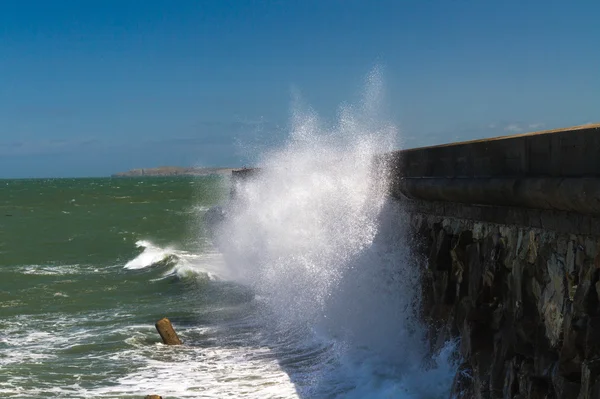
[183, 264]
[151, 255]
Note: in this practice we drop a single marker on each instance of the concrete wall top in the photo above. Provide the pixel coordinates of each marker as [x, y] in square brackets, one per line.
[243, 173]
[569, 152]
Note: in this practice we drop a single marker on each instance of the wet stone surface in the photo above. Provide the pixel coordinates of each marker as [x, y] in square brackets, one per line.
[524, 301]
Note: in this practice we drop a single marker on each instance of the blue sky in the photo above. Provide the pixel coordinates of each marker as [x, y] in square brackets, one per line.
[88, 88]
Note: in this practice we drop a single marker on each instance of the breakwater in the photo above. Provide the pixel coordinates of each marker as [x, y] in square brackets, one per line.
[507, 232]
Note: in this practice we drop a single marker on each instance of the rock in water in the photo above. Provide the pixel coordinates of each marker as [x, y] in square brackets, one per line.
[153, 397]
[167, 332]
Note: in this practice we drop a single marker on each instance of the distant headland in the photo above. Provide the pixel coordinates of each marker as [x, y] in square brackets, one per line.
[174, 171]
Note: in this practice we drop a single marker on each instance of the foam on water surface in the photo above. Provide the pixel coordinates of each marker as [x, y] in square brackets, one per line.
[150, 256]
[183, 263]
[142, 365]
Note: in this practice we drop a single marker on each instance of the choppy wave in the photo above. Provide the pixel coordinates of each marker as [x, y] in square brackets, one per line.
[58, 269]
[181, 263]
[313, 293]
[150, 256]
[139, 364]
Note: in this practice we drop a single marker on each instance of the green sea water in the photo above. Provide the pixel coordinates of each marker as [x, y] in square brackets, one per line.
[94, 221]
[303, 294]
[86, 268]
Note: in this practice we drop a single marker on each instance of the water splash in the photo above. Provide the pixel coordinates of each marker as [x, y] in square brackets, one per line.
[313, 208]
[207, 264]
[314, 234]
[151, 255]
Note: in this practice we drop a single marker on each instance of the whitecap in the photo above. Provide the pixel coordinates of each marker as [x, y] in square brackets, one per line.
[184, 264]
[151, 255]
[53, 270]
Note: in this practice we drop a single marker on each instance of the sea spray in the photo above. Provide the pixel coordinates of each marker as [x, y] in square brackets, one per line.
[316, 237]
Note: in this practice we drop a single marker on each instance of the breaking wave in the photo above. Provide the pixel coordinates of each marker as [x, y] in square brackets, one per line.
[178, 262]
[313, 233]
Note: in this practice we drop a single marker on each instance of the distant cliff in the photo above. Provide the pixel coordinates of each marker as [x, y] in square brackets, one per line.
[174, 171]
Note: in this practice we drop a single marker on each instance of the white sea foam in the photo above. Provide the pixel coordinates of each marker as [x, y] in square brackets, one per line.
[206, 373]
[143, 367]
[185, 264]
[57, 270]
[35, 338]
[151, 255]
[209, 264]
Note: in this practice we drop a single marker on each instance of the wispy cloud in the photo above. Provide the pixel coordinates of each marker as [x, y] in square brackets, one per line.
[513, 128]
[517, 127]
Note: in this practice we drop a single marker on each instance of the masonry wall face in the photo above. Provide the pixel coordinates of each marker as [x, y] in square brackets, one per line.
[524, 302]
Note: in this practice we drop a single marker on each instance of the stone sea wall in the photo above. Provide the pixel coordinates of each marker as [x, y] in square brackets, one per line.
[523, 301]
[507, 232]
